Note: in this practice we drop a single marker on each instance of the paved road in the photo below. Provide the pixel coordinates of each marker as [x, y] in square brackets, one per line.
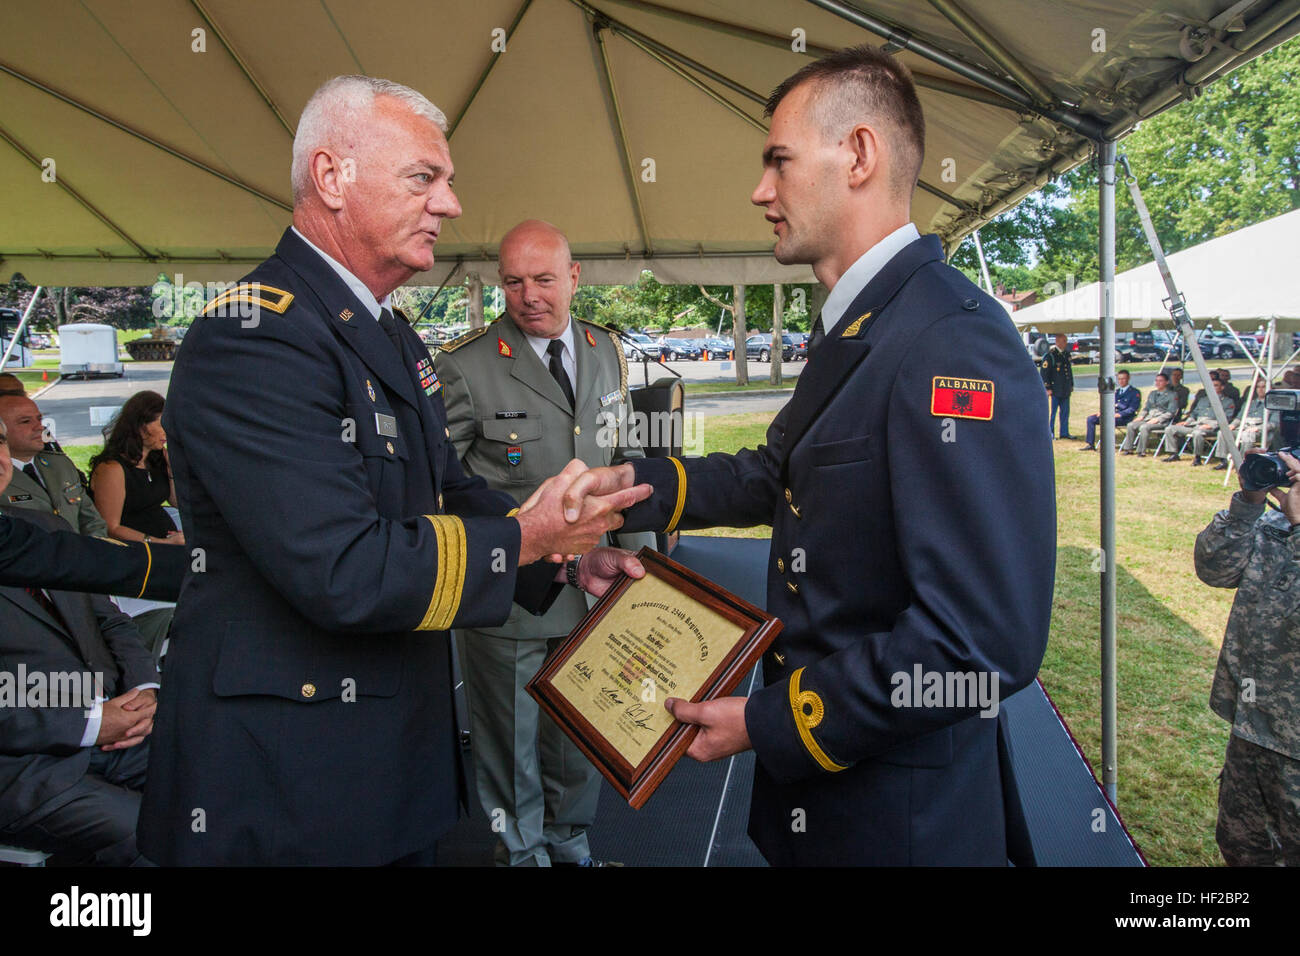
[66, 405]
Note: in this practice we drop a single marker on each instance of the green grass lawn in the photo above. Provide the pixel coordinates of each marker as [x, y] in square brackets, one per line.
[81, 455]
[32, 379]
[1169, 630]
[755, 385]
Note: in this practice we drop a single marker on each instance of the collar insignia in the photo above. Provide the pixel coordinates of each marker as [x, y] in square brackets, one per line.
[503, 349]
[855, 326]
[345, 314]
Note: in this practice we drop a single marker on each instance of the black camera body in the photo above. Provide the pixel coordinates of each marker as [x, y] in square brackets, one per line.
[1267, 470]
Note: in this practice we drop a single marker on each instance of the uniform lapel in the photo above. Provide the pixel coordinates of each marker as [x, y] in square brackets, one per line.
[527, 367]
[849, 342]
[25, 602]
[584, 354]
[353, 323]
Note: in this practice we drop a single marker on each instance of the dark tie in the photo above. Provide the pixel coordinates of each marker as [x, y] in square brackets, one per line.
[389, 325]
[555, 349]
[29, 470]
[818, 334]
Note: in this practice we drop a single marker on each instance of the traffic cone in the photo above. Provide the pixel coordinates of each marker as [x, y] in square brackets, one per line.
[45, 376]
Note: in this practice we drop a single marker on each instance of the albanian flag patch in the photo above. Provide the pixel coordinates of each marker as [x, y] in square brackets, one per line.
[952, 397]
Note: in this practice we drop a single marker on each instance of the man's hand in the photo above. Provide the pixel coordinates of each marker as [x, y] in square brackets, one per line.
[598, 569]
[598, 481]
[721, 722]
[127, 720]
[547, 532]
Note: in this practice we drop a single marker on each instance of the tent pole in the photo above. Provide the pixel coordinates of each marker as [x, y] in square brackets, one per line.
[18, 332]
[984, 266]
[1106, 386]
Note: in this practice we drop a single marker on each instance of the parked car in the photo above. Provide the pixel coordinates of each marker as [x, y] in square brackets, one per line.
[800, 345]
[679, 349]
[637, 345]
[717, 348]
[1138, 347]
[1216, 344]
[760, 347]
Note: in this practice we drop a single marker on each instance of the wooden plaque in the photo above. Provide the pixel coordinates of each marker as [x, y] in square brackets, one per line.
[672, 633]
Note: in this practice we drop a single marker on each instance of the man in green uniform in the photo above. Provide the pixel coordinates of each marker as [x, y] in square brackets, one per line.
[524, 396]
[44, 480]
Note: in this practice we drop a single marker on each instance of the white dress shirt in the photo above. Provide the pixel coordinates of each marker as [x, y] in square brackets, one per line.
[363, 294]
[567, 357]
[863, 271]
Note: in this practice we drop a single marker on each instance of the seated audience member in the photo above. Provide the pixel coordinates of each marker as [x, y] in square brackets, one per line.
[73, 756]
[1127, 402]
[1180, 390]
[1249, 431]
[132, 478]
[1200, 424]
[44, 480]
[1225, 376]
[1161, 406]
[11, 384]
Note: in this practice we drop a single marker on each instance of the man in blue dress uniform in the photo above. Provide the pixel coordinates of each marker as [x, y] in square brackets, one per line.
[307, 713]
[909, 486]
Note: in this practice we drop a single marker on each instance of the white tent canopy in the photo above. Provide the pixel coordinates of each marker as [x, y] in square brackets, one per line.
[154, 136]
[1247, 275]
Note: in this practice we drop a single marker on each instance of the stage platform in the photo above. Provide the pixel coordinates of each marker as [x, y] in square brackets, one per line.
[698, 816]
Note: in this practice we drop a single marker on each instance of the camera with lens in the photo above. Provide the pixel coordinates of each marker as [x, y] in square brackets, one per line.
[1267, 470]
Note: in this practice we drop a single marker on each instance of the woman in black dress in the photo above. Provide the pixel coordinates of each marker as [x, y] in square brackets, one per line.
[131, 477]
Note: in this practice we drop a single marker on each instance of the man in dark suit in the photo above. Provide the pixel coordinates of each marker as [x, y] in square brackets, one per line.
[71, 766]
[915, 592]
[312, 657]
[1127, 402]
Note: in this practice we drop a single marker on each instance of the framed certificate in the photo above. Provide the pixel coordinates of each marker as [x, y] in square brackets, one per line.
[672, 633]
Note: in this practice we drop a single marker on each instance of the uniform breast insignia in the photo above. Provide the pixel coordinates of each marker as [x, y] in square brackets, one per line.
[503, 349]
[514, 454]
[428, 377]
[611, 398]
[253, 294]
[952, 397]
[591, 339]
[14, 499]
[855, 326]
[370, 390]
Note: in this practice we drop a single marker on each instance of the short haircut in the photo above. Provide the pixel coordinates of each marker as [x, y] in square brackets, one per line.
[862, 84]
[340, 106]
[1122, 371]
[1162, 375]
[11, 384]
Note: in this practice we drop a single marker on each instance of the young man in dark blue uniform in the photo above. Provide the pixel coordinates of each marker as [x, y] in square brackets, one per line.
[910, 490]
[307, 714]
[1128, 399]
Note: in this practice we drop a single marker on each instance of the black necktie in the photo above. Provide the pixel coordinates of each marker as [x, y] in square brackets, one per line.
[818, 334]
[29, 470]
[555, 349]
[43, 599]
[389, 325]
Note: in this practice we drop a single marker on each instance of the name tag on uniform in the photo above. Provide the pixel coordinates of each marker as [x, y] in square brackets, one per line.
[386, 425]
[611, 398]
[14, 498]
[517, 414]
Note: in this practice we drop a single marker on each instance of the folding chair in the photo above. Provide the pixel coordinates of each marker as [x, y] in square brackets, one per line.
[21, 857]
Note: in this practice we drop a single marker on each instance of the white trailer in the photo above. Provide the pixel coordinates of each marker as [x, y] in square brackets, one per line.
[88, 349]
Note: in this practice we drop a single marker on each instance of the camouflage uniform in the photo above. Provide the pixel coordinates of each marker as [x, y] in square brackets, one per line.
[1257, 682]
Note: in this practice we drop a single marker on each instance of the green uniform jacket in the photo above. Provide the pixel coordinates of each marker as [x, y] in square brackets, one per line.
[65, 496]
[512, 426]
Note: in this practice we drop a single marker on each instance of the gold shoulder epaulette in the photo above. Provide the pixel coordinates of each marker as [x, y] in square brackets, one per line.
[250, 293]
[460, 340]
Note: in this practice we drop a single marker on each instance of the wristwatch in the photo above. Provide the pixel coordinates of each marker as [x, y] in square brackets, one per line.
[571, 570]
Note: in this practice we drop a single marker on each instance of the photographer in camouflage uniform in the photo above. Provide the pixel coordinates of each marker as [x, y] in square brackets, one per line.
[1257, 682]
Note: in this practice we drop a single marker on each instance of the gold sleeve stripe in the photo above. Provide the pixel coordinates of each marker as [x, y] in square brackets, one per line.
[512, 512]
[681, 497]
[807, 719]
[147, 568]
[449, 584]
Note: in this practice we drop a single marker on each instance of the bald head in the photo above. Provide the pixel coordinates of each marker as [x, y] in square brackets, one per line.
[539, 277]
[23, 423]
